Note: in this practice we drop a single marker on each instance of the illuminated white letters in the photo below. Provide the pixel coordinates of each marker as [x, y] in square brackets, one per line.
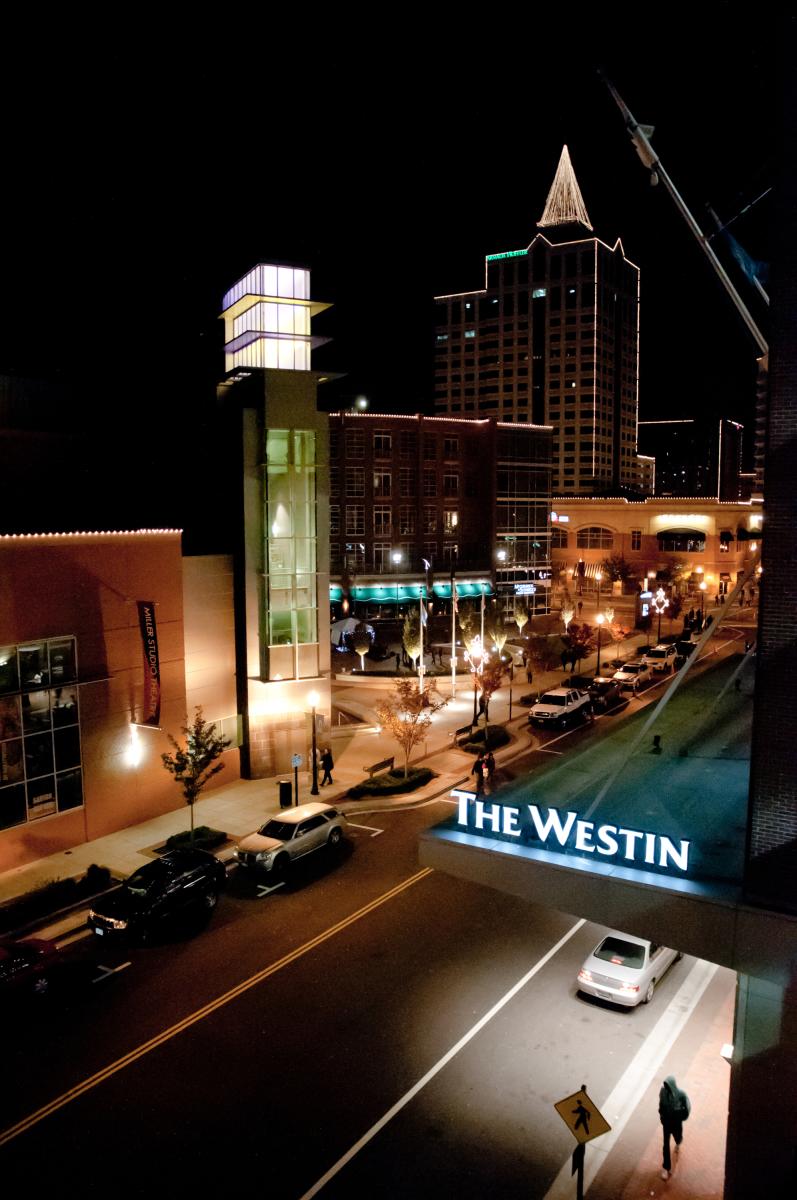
[567, 829]
[561, 832]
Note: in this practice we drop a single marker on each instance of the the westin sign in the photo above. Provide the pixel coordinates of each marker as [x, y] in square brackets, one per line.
[565, 830]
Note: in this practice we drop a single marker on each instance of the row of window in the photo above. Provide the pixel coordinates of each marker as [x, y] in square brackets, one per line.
[354, 558]
[383, 444]
[382, 483]
[383, 525]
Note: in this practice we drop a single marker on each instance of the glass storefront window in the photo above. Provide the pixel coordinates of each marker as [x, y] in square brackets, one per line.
[40, 749]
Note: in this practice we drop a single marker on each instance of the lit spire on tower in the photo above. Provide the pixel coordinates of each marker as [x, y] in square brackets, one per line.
[565, 203]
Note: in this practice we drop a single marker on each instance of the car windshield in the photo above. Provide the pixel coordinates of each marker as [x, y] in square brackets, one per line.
[282, 831]
[657, 653]
[632, 668]
[551, 698]
[622, 954]
[601, 687]
[147, 879]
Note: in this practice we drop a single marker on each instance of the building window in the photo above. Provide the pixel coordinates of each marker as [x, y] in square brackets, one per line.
[430, 551]
[354, 558]
[381, 556]
[383, 521]
[430, 483]
[593, 537]
[636, 539]
[429, 448]
[450, 521]
[383, 445]
[40, 754]
[406, 519]
[334, 520]
[383, 482]
[407, 482]
[335, 560]
[450, 485]
[355, 520]
[355, 481]
[334, 482]
[408, 443]
[429, 520]
[450, 552]
[558, 539]
[355, 443]
[689, 541]
[451, 449]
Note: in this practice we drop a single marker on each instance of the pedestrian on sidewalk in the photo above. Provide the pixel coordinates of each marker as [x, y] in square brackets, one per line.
[529, 673]
[478, 770]
[398, 661]
[327, 764]
[489, 765]
[674, 1108]
[580, 606]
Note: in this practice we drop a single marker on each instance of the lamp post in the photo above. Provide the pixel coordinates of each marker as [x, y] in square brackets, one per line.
[703, 586]
[598, 578]
[314, 700]
[599, 619]
[660, 602]
[396, 558]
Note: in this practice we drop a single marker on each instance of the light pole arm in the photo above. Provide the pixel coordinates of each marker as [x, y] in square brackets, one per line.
[639, 136]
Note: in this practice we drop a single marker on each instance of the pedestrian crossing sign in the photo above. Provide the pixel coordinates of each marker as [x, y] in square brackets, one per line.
[582, 1116]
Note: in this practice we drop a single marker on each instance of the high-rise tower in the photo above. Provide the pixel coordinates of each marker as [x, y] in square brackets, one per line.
[552, 338]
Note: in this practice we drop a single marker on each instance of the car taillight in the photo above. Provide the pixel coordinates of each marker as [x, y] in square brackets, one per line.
[629, 987]
[585, 976]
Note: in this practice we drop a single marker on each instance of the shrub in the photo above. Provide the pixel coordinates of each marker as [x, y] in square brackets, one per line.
[392, 782]
[52, 897]
[204, 838]
[498, 737]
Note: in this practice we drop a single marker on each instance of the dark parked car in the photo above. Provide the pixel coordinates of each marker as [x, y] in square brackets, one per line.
[605, 693]
[682, 651]
[26, 965]
[176, 882]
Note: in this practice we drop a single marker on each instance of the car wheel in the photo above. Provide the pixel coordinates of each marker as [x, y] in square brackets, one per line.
[649, 992]
[210, 900]
[41, 985]
[334, 836]
[280, 868]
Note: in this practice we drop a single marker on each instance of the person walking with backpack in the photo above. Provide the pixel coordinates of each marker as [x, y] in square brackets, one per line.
[327, 764]
[674, 1108]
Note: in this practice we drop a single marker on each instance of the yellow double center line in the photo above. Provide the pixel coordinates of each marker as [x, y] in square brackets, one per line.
[94, 1080]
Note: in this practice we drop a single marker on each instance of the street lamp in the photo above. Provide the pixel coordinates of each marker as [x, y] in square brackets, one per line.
[599, 577]
[475, 651]
[313, 700]
[599, 619]
[703, 586]
[396, 557]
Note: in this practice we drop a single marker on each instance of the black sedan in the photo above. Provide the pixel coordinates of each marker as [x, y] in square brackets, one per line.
[175, 883]
[605, 693]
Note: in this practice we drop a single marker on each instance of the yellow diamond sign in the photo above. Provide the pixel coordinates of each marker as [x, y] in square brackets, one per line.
[582, 1116]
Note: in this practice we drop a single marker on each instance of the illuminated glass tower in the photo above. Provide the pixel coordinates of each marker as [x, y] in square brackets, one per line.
[282, 562]
[552, 338]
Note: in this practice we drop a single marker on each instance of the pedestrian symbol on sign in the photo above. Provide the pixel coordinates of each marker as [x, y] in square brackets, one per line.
[582, 1116]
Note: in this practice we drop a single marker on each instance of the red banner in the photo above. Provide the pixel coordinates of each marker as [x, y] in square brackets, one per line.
[152, 675]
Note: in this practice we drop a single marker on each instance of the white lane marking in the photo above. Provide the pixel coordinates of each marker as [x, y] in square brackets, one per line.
[371, 828]
[545, 750]
[435, 1070]
[633, 1083]
[108, 971]
[264, 889]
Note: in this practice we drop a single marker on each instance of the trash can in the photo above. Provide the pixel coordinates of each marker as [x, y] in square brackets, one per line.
[286, 799]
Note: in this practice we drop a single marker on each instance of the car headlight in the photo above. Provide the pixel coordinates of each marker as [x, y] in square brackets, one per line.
[265, 857]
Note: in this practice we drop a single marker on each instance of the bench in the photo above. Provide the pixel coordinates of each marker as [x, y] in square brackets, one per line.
[464, 732]
[385, 765]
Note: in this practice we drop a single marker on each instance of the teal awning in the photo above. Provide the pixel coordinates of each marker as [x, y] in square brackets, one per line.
[388, 593]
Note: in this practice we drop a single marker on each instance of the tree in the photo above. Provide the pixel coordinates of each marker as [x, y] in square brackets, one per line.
[521, 618]
[489, 681]
[498, 633]
[580, 640]
[617, 632]
[361, 642]
[192, 764]
[411, 635]
[616, 567]
[544, 652]
[407, 715]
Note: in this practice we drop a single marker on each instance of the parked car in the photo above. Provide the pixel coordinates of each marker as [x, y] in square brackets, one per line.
[605, 693]
[174, 883]
[682, 651]
[26, 966]
[625, 969]
[661, 658]
[291, 835]
[559, 705]
[632, 674]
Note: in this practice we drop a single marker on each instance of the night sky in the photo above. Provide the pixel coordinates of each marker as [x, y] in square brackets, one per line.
[140, 182]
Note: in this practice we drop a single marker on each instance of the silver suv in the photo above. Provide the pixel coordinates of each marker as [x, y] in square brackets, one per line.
[292, 834]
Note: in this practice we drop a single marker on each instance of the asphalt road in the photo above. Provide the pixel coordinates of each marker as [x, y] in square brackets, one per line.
[261, 1047]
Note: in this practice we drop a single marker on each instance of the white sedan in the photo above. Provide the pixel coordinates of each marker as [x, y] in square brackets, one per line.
[625, 969]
